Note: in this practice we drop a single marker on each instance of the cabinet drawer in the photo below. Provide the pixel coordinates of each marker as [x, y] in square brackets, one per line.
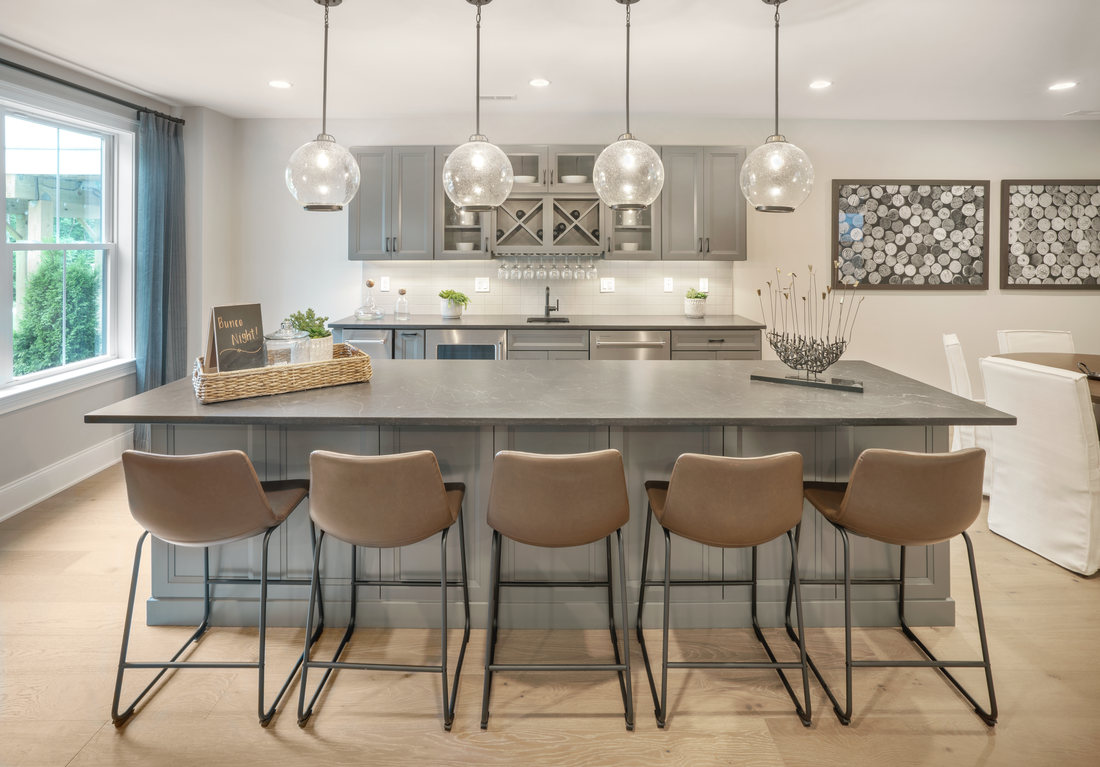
[716, 340]
[694, 355]
[557, 354]
[527, 355]
[738, 355]
[564, 339]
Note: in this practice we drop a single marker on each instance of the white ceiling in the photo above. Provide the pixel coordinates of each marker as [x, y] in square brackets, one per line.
[889, 59]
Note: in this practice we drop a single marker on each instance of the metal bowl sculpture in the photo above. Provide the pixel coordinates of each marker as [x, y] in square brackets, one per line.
[809, 334]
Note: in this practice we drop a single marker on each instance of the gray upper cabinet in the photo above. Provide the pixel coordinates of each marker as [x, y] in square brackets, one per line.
[634, 235]
[571, 169]
[391, 217]
[530, 167]
[702, 208]
[458, 236]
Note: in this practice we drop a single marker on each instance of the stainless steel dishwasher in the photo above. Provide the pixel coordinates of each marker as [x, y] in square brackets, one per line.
[377, 342]
[630, 345]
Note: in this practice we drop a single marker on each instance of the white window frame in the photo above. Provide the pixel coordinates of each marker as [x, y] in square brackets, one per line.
[117, 226]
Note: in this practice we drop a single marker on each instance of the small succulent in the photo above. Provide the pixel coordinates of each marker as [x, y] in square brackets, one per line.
[310, 323]
[693, 293]
[455, 297]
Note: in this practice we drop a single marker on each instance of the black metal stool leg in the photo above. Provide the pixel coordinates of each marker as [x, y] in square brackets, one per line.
[303, 714]
[490, 633]
[448, 714]
[466, 623]
[664, 631]
[641, 608]
[628, 692]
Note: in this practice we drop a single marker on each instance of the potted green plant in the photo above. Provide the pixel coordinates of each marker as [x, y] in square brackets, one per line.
[452, 303]
[695, 304]
[320, 337]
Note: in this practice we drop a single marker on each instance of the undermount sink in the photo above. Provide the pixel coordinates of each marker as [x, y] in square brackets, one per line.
[548, 319]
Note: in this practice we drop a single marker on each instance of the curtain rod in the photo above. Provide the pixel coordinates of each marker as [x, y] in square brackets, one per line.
[90, 91]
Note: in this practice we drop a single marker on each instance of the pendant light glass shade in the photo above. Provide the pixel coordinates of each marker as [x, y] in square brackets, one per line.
[628, 174]
[477, 176]
[322, 175]
[777, 177]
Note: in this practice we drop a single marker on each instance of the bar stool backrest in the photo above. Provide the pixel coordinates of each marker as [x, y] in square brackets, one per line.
[558, 500]
[913, 499]
[196, 500]
[734, 502]
[379, 501]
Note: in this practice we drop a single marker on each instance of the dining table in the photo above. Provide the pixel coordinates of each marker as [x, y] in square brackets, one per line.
[1063, 361]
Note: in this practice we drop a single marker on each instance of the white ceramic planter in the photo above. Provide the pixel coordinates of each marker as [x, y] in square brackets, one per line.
[696, 308]
[320, 349]
[449, 309]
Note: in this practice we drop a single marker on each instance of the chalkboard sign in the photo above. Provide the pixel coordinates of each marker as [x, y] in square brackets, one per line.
[236, 338]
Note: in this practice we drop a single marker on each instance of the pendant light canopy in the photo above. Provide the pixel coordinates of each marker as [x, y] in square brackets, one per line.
[478, 175]
[628, 174]
[777, 177]
[322, 175]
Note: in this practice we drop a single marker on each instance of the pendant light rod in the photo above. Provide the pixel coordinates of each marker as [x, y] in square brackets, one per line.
[776, 68]
[324, 77]
[477, 77]
[627, 3]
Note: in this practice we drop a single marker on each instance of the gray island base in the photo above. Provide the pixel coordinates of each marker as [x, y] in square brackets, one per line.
[466, 411]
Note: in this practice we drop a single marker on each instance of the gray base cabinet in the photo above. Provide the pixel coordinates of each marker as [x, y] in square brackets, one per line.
[466, 453]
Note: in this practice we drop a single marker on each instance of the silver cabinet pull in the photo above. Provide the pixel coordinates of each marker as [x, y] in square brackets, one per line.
[410, 335]
[486, 244]
[544, 177]
[387, 244]
[708, 245]
[700, 244]
[608, 244]
[639, 344]
[380, 341]
[551, 178]
[716, 340]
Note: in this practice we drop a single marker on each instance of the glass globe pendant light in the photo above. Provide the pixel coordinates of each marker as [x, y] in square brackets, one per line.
[777, 177]
[478, 175]
[628, 174]
[322, 175]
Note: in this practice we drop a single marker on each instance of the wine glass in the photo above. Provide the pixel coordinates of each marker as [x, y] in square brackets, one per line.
[566, 271]
[517, 273]
[529, 271]
[502, 270]
[578, 272]
[554, 273]
[541, 273]
[592, 273]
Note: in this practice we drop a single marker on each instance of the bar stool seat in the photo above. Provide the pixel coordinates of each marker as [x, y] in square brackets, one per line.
[906, 499]
[201, 501]
[727, 503]
[384, 502]
[555, 501]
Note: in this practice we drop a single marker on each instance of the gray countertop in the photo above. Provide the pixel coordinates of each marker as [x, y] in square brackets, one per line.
[592, 322]
[573, 393]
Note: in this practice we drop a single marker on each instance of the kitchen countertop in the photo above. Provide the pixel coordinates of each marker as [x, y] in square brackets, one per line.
[589, 322]
[573, 392]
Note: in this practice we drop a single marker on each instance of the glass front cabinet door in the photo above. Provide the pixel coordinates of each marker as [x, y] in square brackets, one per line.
[458, 236]
[571, 169]
[530, 167]
[634, 235]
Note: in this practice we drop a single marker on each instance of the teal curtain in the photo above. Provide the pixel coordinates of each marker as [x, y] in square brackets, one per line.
[160, 318]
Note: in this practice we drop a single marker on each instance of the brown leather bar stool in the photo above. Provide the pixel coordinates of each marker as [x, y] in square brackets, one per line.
[556, 501]
[202, 501]
[727, 503]
[908, 499]
[384, 502]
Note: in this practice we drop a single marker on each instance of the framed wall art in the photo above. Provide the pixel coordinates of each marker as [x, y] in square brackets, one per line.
[910, 235]
[1050, 234]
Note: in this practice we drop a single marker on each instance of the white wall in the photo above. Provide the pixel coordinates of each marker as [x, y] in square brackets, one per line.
[288, 259]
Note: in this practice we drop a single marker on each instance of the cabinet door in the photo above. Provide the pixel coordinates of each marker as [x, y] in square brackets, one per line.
[724, 204]
[369, 215]
[633, 235]
[408, 344]
[682, 203]
[413, 200]
[530, 161]
[573, 162]
[458, 236]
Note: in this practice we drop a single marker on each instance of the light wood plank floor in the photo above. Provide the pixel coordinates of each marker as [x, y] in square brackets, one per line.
[64, 567]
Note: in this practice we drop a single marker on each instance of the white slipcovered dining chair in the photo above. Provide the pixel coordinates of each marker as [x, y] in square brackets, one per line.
[1013, 341]
[1046, 468]
[966, 436]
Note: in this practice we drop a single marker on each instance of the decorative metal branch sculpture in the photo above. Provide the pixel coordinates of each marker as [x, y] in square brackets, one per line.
[808, 334]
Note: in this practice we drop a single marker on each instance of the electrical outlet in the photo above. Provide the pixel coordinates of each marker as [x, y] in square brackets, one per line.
[668, 284]
[607, 284]
[704, 285]
[385, 285]
[481, 284]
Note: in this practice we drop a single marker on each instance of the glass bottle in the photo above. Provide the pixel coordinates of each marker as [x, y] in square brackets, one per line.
[401, 309]
[370, 310]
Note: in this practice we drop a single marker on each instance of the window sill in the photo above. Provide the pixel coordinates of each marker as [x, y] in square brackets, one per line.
[22, 395]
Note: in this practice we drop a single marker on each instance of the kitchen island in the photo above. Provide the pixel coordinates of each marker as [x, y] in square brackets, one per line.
[465, 411]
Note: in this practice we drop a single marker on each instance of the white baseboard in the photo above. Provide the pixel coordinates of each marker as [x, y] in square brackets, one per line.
[26, 492]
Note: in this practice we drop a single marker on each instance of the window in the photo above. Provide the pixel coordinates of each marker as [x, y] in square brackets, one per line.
[61, 224]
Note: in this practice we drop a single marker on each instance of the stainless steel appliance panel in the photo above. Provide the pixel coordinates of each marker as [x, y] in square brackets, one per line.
[630, 344]
[463, 344]
[378, 343]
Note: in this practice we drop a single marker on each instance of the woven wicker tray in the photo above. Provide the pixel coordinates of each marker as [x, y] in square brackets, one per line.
[348, 365]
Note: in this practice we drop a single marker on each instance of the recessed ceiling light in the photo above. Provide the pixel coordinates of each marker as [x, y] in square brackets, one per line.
[279, 84]
[540, 82]
[1062, 86]
[819, 84]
